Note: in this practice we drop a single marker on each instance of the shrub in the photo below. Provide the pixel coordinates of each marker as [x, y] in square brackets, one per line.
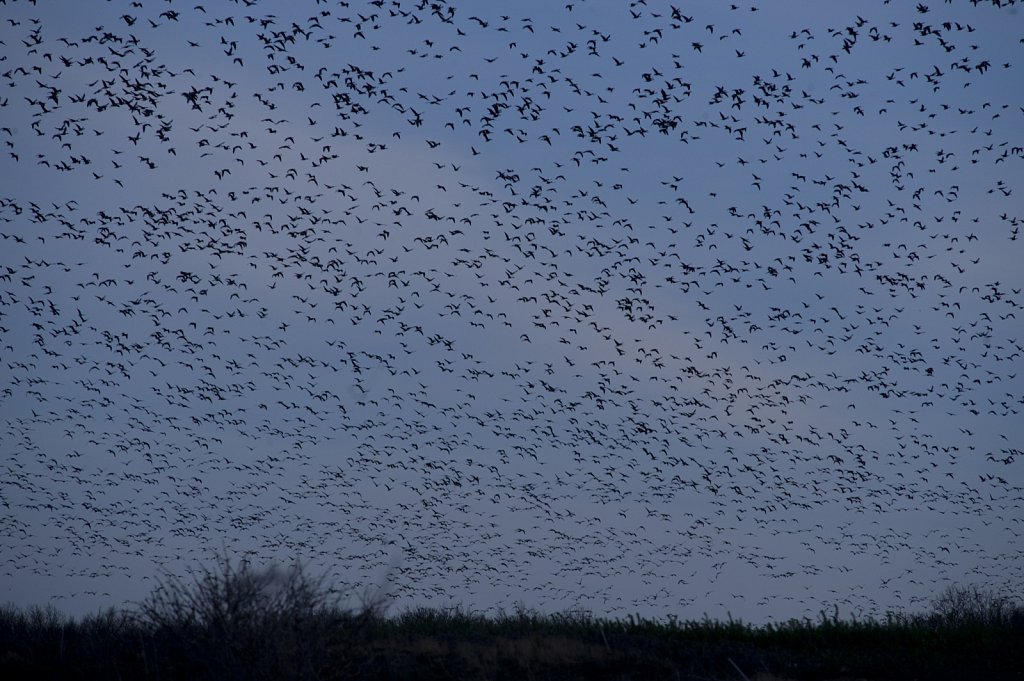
[240, 622]
[974, 606]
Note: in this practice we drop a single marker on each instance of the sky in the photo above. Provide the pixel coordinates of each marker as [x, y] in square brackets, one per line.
[679, 310]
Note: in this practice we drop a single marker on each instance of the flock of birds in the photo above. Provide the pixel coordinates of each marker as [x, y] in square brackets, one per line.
[615, 306]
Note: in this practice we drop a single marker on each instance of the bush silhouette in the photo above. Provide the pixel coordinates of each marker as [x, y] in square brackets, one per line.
[241, 622]
[974, 606]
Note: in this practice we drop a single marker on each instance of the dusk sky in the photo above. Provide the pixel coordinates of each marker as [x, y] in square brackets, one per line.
[620, 307]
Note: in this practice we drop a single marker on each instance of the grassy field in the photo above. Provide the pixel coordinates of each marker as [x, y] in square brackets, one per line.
[237, 623]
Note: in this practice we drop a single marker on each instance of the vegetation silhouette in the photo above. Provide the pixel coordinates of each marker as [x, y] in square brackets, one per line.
[234, 621]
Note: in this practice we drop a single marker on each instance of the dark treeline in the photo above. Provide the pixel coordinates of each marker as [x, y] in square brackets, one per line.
[241, 623]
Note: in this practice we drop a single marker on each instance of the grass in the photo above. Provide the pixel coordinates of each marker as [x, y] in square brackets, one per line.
[234, 622]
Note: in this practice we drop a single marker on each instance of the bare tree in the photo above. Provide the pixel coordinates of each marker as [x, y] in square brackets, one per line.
[238, 621]
[974, 605]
